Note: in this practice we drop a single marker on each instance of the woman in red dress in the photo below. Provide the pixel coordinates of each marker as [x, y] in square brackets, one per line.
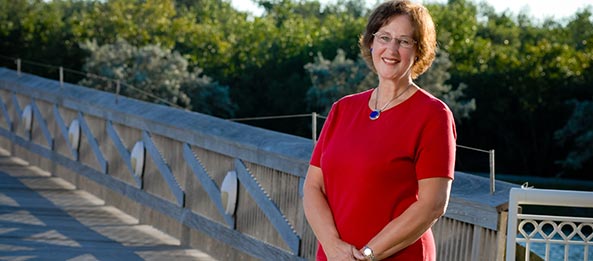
[380, 175]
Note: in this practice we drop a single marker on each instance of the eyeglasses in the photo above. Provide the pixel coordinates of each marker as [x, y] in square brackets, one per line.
[385, 39]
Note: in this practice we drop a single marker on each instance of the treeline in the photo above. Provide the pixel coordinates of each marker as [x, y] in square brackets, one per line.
[519, 86]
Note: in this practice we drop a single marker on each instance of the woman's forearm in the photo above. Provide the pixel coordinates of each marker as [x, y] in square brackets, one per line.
[402, 231]
[415, 221]
[317, 210]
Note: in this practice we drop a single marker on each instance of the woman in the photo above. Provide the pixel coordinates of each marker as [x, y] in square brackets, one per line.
[380, 175]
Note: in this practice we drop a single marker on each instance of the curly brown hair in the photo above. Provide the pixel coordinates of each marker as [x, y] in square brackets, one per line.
[424, 32]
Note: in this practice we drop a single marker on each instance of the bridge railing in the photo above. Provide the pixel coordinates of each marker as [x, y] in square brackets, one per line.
[229, 189]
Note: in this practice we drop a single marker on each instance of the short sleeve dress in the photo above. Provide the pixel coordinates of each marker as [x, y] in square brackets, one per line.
[371, 168]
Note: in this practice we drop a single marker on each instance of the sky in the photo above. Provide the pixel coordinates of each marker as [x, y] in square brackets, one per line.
[537, 8]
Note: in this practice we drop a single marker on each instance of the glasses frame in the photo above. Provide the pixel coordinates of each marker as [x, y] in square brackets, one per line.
[398, 40]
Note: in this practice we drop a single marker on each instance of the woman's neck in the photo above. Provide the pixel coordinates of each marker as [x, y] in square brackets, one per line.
[392, 88]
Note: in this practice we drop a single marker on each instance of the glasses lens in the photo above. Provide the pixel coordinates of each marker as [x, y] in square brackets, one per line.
[384, 39]
[405, 42]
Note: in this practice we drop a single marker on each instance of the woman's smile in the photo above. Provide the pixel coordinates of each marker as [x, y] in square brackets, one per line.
[391, 61]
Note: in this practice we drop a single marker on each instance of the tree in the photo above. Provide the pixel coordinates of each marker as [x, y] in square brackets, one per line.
[457, 26]
[38, 31]
[138, 22]
[155, 74]
[334, 79]
[435, 79]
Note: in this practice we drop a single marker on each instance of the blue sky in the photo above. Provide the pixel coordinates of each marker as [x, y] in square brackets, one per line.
[537, 8]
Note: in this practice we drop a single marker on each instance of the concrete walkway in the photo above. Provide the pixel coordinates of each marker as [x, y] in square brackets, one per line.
[46, 218]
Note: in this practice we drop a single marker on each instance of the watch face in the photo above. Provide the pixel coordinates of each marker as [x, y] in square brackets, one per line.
[367, 251]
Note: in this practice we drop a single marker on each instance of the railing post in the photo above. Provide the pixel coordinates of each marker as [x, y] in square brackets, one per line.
[492, 175]
[314, 127]
[18, 67]
[512, 224]
[117, 88]
[61, 76]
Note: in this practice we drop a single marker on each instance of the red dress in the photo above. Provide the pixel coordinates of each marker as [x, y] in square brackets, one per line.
[371, 168]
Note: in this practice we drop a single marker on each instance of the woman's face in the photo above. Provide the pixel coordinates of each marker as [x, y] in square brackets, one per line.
[394, 49]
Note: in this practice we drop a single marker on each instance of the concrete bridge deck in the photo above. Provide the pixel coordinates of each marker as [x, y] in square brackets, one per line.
[43, 217]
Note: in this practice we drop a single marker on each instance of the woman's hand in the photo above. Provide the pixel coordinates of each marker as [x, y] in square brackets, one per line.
[341, 250]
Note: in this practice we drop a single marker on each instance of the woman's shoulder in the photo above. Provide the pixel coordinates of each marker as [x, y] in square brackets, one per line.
[429, 101]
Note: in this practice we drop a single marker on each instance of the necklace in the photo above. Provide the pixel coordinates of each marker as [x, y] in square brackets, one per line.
[377, 112]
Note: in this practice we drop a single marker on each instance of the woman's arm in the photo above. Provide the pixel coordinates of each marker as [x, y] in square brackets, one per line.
[433, 196]
[321, 219]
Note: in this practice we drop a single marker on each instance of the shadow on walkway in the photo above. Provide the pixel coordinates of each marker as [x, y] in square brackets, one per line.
[46, 218]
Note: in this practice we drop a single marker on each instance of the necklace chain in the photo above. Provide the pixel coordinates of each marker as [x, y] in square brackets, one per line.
[390, 101]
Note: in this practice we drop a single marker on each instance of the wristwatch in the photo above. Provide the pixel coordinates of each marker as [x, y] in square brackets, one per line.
[368, 253]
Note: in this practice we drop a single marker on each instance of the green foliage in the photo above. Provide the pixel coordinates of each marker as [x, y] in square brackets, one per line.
[36, 30]
[262, 58]
[138, 22]
[154, 74]
[457, 26]
[435, 81]
[335, 79]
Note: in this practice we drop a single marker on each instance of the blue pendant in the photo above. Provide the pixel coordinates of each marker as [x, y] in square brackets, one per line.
[374, 115]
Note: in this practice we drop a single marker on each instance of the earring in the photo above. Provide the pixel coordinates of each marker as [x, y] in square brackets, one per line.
[371, 49]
